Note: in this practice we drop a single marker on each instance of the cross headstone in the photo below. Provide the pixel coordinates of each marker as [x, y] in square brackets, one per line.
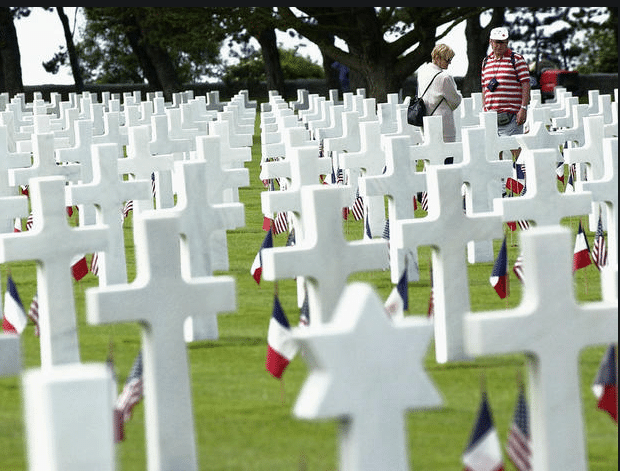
[370, 158]
[438, 229]
[43, 163]
[323, 256]
[107, 192]
[399, 184]
[160, 298]
[52, 243]
[368, 393]
[543, 203]
[68, 417]
[482, 174]
[141, 163]
[162, 143]
[605, 191]
[590, 156]
[551, 328]
[433, 149]
[203, 224]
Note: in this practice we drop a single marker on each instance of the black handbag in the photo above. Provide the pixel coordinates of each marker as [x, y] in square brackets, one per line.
[417, 109]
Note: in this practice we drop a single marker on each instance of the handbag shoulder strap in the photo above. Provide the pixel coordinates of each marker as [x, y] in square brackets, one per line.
[429, 83]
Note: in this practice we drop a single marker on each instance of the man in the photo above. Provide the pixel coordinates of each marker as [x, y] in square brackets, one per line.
[505, 84]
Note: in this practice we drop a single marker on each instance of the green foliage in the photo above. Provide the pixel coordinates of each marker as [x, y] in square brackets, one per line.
[251, 68]
[243, 417]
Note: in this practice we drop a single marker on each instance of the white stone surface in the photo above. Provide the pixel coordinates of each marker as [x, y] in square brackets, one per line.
[368, 393]
[153, 300]
[68, 418]
[551, 328]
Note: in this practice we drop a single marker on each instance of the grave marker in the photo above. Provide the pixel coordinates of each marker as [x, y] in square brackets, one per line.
[551, 328]
[152, 299]
[107, 192]
[53, 244]
[323, 256]
[448, 230]
[367, 392]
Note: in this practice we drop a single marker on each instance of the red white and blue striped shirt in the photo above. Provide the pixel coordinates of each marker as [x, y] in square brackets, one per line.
[507, 96]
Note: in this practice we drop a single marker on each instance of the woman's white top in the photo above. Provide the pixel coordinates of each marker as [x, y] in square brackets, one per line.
[444, 87]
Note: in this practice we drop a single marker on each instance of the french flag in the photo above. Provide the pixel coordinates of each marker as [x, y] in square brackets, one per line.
[281, 347]
[257, 265]
[483, 453]
[499, 275]
[581, 253]
[605, 385]
[15, 319]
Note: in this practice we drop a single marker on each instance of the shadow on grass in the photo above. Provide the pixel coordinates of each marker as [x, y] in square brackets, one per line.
[229, 341]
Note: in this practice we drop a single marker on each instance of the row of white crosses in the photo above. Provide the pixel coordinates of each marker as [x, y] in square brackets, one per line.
[178, 248]
[348, 326]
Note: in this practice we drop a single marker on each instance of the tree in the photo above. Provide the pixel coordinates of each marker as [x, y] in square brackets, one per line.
[73, 58]
[10, 59]
[377, 64]
[477, 38]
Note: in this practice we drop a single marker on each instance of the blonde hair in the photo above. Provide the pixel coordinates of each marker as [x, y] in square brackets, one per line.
[442, 51]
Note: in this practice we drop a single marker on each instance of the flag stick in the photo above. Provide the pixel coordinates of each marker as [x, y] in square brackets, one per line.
[282, 391]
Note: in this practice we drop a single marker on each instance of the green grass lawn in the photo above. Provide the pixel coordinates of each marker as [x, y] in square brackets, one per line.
[243, 418]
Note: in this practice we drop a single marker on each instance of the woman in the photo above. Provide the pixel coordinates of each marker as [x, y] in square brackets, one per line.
[442, 97]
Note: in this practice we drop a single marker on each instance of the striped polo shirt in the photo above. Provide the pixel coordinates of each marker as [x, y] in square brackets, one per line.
[507, 96]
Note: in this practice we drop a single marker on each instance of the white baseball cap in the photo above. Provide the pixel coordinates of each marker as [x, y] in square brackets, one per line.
[499, 34]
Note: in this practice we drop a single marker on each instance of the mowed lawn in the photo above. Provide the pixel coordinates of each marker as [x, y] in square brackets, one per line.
[243, 416]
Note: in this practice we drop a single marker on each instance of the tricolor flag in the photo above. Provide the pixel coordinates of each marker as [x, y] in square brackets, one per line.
[499, 275]
[130, 395]
[483, 453]
[581, 253]
[605, 385]
[398, 300]
[15, 320]
[518, 445]
[281, 347]
[257, 265]
[79, 267]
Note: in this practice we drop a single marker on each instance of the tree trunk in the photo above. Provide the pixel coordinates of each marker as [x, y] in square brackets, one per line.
[271, 57]
[10, 60]
[155, 61]
[477, 39]
[73, 58]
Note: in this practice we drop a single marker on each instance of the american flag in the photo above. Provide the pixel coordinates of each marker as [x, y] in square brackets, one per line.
[29, 222]
[280, 223]
[131, 394]
[94, 264]
[33, 313]
[424, 200]
[128, 207]
[358, 206]
[153, 184]
[517, 268]
[518, 444]
[599, 251]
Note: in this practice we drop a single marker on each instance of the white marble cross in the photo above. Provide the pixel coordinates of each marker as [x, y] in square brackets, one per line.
[448, 230]
[43, 163]
[399, 184]
[232, 157]
[53, 244]
[323, 256]
[12, 205]
[203, 224]
[433, 149]
[162, 143]
[367, 391]
[107, 192]
[160, 299]
[482, 174]
[370, 159]
[542, 202]
[605, 190]
[141, 164]
[551, 328]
